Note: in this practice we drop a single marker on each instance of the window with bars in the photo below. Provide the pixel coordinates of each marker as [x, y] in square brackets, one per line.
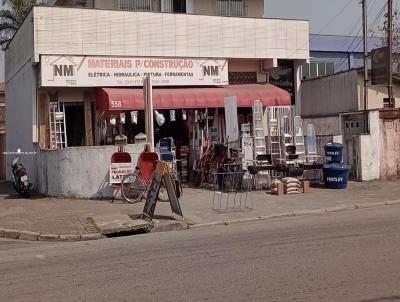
[317, 69]
[230, 8]
[136, 5]
[173, 6]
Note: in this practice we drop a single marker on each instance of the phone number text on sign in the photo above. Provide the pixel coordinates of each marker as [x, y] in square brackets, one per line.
[118, 171]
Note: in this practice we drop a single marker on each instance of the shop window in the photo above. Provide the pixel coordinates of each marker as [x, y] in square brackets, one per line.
[230, 8]
[283, 77]
[313, 70]
[317, 69]
[136, 5]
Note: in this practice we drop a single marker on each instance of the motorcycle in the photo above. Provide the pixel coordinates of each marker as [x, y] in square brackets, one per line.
[20, 178]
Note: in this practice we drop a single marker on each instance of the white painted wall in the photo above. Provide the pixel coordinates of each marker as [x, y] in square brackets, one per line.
[369, 150]
[58, 170]
[324, 125]
[73, 31]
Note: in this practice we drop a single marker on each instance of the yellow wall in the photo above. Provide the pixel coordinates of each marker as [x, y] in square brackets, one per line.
[254, 8]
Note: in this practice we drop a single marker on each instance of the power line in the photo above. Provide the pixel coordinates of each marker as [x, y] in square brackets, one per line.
[358, 44]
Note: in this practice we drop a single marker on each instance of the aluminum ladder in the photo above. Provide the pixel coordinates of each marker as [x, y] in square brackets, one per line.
[57, 126]
[299, 138]
[258, 129]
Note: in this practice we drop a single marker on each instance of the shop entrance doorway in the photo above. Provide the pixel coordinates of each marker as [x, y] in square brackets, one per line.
[75, 124]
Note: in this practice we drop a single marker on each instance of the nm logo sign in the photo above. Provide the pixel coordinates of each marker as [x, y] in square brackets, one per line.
[107, 71]
[63, 70]
[63, 66]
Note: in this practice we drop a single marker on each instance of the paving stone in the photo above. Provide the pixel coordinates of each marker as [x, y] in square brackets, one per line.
[26, 235]
[76, 237]
[49, 237]
[96, 236]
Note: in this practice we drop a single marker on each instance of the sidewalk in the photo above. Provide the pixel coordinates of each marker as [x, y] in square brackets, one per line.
[43, 218]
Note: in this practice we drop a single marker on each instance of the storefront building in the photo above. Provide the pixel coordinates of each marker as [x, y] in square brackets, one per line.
[71, 73]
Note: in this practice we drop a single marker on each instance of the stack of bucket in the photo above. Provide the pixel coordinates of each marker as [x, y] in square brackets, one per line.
[336, 174]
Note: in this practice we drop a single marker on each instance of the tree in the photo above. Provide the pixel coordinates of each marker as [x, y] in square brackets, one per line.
[395, 38]
[12, 16]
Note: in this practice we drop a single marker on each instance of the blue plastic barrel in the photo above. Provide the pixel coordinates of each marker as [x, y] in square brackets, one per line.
[334, 153]
[336, 176]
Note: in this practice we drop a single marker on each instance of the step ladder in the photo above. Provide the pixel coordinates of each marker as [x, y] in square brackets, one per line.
[258, 129]
[312, 155]
[274, 141]
[57, 126]
[286, 128]
[299, 138]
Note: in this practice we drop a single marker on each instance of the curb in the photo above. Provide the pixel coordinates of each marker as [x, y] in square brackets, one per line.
[177, 226]
[299, 213]
[34, 236]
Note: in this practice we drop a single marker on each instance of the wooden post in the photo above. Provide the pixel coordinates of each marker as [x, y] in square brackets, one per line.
[88, 119]
[43, 120]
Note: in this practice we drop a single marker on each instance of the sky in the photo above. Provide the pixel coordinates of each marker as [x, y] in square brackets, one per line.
[320, 12]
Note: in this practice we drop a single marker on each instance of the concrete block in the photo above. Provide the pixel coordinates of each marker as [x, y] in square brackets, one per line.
[76, 237]
[173, 226]
[31, 236]
[96, 236]
[49, 237]
[11, 234]
[306, 186]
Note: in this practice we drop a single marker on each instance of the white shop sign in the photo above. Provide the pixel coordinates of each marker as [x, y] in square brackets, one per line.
[87, 71]
[118, 171]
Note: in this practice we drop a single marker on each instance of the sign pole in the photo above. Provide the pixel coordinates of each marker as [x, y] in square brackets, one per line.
[148, 110]
[365, 31]
[389, 54]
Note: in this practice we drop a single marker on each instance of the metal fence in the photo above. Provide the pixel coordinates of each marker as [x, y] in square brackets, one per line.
[233, 191]
[230, 8]
[136, 5]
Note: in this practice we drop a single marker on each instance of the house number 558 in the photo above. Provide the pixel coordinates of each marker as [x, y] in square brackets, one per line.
[116, 104]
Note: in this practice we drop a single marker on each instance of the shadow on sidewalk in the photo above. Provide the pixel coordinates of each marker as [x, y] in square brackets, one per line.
[7, 191]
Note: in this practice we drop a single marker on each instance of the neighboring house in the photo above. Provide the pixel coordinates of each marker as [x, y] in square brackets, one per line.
[334, 105]
[331, 54]
[71, 73]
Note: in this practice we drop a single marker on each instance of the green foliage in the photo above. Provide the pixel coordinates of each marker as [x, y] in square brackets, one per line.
[395, 38]
[12, 16]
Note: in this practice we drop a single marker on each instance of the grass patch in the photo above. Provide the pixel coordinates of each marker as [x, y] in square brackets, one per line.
[91, 226]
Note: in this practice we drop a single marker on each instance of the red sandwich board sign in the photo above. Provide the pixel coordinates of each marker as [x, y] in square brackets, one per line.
[121, 164]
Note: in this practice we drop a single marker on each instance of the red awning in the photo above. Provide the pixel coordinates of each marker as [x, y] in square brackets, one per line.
[186, 98]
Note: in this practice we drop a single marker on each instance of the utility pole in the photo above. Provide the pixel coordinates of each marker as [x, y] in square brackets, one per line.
[365, 33]
[389, 53]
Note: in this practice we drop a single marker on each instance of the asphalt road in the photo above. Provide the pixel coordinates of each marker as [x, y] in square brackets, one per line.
[346, 256]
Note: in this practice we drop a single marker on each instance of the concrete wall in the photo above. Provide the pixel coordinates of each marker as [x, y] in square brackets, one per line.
[20, 81]
[324, 126]
[370, 150]
[60, 30]
[330, 95]
[21, 119]
[390, 146]
[58, 170]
